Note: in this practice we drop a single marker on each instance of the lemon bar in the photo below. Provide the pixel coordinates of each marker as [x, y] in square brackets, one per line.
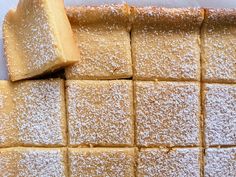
[220, 114]
[220, 162]
[32, 113]
[117, 162]
[165, 43]
[102, 34]
[167, 113]
[219, 46]
[100, 113]
[166, 162]
[32, 162]
[38, 38]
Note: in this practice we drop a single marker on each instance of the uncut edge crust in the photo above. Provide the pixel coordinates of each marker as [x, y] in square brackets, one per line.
[111, 15]
[213, 18]
[181, 18]
[65, 54]
[119, 13]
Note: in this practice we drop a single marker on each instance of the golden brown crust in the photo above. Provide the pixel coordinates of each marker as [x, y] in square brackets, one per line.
[220, 16]
[180, 17]
[96, 14]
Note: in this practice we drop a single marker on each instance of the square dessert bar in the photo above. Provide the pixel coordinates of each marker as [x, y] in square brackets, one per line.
[219, 46]
[117, 162]
[103, 38]
[38, 38]
[100, 113]
[165, 43]
[32, 113]
[167, 113]
[220, 162]
[220, 114]
[166, 162]
[32, 162]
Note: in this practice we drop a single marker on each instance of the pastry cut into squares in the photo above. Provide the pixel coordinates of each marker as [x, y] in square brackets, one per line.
[220, 162]
[100, 113]
[220, 114]
[102, 34]
[38, 38]
[32, 113]
[219, 46]
[165, 43]
[117, 162]
[169, 162]
[167, 113]
[32, 162]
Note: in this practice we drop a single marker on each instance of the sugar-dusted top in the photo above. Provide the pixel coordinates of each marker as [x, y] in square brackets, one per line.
[40, 112]
[220, 114]
[100, 112]
[29, 40]
[167, 113]
[218, 45]
[220, 162]
[177, 17]
[32, 162]
[166, 162]
[102, 162]
[117, 14]
[33, 113]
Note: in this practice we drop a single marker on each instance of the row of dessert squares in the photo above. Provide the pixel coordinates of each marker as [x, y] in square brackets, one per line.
[117, 162]
[119, 41]
[55, 112]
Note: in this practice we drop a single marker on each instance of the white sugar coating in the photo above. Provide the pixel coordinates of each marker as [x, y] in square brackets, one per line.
[164, 162]
[104, 43]
[40, 112]
[38, 41]
[43, 163]
[32, 162]
[101, 162]
[220, 162]
[218, 44]
[167, 113]
[220, 114]
[166, 50]
[34, 40]
[100, 112]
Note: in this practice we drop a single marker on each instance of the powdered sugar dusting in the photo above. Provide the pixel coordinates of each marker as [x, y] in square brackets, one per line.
[164, 162]
[220, 114]
[220, 162]
[103, 41]
[39, 113]
[43, 163]
[167, 113]
[219, 56]
[32, 162]
[100, 112]
[30, 37]
[167, 46]
[101, 162]
[33, 113]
